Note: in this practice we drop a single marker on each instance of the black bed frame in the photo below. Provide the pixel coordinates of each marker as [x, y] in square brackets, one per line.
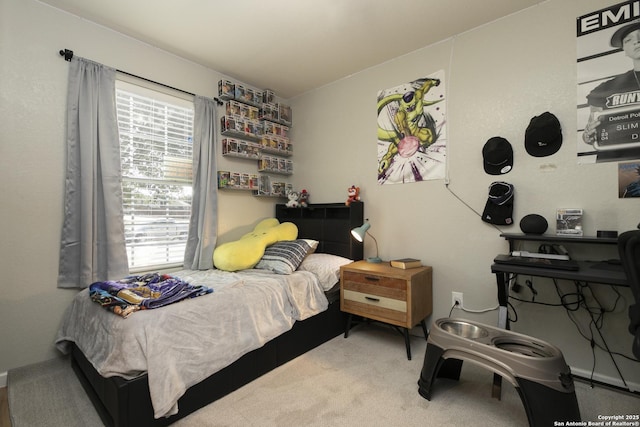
[127, 403]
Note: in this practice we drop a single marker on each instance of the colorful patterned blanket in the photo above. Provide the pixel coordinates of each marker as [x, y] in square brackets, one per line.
[148, 291]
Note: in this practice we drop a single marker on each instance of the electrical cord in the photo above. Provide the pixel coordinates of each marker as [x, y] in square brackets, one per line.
[512, 283]
[462, 201]
[595, 344]
[600, 306]
[595, 313]
[548, 304]
[598, 329]
[534, 293]
[579, 298]
[574, 306]
[529, 284]
[591, 338]
[482, 310]
[479, 214]
[515, 313]
[452, 307]
[593, 365]
[570, 314]
[469, 310]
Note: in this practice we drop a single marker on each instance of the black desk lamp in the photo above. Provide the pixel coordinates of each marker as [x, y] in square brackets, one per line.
[358, 233]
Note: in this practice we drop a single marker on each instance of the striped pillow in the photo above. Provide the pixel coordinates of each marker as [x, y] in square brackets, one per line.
[285, 256]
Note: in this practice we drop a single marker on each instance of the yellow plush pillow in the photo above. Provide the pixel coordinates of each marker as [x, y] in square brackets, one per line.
[246, 252]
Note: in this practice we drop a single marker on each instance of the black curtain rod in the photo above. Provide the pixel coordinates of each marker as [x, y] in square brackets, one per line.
[68, 54]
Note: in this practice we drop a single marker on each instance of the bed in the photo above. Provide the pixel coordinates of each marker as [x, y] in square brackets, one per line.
[126, 400]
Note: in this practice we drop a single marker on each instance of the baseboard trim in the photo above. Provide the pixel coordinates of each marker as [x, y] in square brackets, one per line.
[605, 381]
[3, 379]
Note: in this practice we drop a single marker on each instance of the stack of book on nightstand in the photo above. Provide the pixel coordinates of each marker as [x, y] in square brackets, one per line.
[405, 263]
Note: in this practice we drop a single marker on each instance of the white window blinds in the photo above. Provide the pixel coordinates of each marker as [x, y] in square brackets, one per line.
[156, 143]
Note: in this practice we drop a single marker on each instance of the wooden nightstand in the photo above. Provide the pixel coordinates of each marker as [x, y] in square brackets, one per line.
[401, 298]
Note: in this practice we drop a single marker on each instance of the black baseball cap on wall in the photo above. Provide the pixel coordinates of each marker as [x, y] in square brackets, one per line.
[499, 207]
[543, 136]
[497, 156]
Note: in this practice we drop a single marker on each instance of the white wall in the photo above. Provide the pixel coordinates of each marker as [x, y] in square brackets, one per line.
[498, 77]
[33, 84]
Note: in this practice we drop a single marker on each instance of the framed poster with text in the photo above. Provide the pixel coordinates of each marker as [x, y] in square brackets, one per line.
[608, 76]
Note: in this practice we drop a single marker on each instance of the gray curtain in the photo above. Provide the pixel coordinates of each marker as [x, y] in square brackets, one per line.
[203, 227]
[92, 244]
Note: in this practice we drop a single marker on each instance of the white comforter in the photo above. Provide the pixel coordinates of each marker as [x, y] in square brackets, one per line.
[183, 343]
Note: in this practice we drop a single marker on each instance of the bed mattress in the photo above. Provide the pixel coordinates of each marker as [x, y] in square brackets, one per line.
[179, 345]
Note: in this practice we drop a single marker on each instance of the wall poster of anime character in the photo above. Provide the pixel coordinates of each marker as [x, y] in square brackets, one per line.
[608, 71]
[411, 131]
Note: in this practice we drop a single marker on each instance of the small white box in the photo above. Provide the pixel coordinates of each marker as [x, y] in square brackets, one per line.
[569, 222]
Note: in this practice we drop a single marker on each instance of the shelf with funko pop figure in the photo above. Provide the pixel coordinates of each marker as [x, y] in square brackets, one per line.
[260, 185]
[256, 128]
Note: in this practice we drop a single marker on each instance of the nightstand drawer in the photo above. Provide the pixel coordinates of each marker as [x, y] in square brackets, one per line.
[375, 296]
[376, 285]
[383, 309]
[375, 301]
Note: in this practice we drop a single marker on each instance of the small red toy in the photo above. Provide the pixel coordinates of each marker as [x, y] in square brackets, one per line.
[303, 200]
[354, 195]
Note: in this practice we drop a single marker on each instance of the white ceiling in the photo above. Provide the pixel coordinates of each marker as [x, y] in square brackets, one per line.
[290, 46]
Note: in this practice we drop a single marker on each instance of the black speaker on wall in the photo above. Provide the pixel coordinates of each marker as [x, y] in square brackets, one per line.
[533, 224]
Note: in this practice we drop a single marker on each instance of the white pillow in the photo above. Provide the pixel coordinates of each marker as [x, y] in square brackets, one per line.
[326, 267]
[313, 244]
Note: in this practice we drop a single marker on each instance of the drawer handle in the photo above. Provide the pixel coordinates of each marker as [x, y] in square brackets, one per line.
[372, 299]
[372, 278]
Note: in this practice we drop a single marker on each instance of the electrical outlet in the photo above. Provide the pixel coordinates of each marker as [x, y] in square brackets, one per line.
[456, 299]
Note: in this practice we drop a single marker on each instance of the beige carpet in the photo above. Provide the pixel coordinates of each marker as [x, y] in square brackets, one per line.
[364, 380]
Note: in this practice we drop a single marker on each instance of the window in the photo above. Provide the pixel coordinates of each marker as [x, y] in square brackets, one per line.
[156, 144]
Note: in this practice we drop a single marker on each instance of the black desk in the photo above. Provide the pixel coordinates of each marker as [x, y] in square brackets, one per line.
[589, 271]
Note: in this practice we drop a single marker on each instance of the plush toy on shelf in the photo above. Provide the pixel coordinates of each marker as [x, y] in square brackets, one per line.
[354, 195]
[293, 197]
[303, 200]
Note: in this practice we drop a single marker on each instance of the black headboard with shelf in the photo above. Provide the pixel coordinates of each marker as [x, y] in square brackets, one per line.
[328, 223]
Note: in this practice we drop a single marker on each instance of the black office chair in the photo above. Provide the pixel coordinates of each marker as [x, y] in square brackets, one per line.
[629, 248]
